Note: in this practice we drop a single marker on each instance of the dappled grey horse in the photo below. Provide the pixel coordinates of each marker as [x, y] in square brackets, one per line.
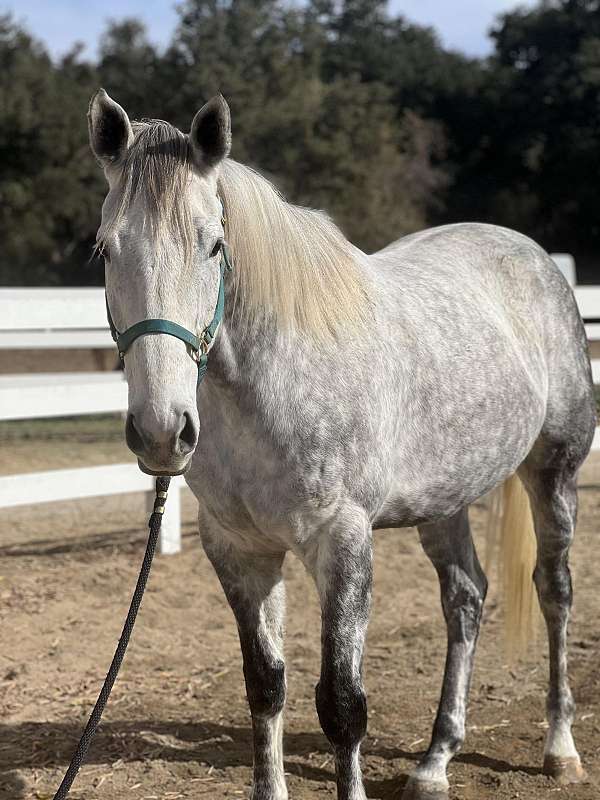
[346, 392]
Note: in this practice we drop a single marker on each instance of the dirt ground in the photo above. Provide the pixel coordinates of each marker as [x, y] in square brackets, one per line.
[177, 724]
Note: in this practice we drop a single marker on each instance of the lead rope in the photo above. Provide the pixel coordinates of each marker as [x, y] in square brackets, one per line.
[162, 486]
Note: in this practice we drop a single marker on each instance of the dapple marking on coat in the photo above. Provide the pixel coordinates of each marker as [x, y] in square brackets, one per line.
[346, 392]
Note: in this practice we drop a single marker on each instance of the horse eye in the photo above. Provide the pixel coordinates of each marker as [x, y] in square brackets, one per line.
[105, 253]
[216, 249]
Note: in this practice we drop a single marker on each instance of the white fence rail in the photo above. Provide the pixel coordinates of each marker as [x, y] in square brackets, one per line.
[61, 394]
[76, 318]
[69, 318]
[52, 311]
[74, 484]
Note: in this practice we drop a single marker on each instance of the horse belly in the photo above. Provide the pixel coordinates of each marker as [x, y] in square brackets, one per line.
[463, 432]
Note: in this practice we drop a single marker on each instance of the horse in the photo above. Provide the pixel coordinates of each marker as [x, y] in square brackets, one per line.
[345, 393]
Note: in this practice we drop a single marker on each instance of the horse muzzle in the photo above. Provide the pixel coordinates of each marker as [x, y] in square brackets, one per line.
[162, 449]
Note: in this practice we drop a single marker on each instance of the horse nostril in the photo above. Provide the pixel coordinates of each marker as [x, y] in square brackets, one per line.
[159, 442]
[132, 436]
[188, 436]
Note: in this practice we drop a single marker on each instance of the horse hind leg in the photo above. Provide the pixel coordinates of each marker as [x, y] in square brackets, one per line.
[553, 496]
[463, 585]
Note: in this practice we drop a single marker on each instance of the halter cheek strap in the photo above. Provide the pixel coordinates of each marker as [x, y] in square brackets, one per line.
[198, 346]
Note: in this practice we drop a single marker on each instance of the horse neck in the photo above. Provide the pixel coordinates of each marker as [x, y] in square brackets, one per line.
[239, 345]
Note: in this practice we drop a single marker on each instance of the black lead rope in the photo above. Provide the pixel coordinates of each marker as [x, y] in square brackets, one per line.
[162, 486]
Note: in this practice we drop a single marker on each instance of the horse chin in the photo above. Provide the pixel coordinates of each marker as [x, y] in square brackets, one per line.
[165, 473]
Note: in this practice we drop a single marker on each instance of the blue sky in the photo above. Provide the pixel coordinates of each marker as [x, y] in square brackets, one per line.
[461, 24]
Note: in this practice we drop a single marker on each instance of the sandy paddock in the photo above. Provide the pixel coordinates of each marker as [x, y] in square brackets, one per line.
[177, 725]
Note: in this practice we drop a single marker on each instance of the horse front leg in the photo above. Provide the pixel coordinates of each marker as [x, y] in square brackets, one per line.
[449, 546]
[253, 585]
[342, 569]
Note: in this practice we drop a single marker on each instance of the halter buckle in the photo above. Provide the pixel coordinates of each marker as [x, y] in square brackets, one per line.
[202, 350]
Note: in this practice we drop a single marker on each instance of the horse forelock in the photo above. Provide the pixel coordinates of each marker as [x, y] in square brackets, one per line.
[157, 168]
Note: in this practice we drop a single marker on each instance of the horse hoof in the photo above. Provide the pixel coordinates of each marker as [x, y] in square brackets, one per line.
[417, 789]
[564, 770]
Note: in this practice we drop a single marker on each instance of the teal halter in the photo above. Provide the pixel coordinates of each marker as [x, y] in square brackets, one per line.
[198, 346]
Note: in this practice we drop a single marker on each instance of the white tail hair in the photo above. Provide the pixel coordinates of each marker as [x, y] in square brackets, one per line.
[510, 530]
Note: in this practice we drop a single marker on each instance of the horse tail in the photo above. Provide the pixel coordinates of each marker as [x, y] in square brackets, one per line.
[510, 530]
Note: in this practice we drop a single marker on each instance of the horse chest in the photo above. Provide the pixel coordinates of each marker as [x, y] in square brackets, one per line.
[280, 483]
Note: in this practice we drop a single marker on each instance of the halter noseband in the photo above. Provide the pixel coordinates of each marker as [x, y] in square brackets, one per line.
[198, 346]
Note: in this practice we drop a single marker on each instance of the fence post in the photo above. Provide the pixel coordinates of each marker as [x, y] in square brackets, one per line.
[170, 531]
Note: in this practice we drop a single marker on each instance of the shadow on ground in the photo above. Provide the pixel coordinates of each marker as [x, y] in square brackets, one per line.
[73, 545]
[33, 745]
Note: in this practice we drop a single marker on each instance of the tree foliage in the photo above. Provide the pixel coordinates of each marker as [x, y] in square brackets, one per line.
[49, 188]
[343, 105]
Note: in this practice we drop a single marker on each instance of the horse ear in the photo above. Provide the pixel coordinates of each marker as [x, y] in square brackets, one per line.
[210, 136]
[109, 128]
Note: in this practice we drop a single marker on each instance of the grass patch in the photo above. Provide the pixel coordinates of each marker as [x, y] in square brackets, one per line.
[96, 428]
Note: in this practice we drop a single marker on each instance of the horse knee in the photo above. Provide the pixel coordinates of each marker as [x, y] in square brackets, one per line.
[553, 584]
[342, 709]
[265, 687]
[462, 600]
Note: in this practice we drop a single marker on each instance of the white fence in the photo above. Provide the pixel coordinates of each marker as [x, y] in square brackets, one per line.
[41, 319]
[76, 318]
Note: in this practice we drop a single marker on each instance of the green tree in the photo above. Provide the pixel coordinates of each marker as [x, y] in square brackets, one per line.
[330, 138]
[131, 67]
[49, 188]
[538, 160]
[314, 104]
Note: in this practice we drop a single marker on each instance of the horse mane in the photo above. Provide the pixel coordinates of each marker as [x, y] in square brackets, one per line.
[290, 263]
